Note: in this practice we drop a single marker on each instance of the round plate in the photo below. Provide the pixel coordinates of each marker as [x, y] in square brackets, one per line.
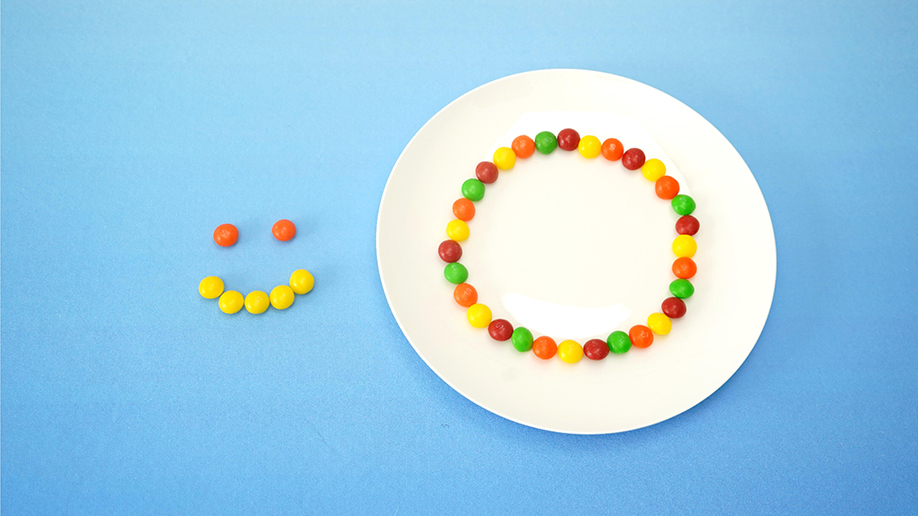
[576, 248]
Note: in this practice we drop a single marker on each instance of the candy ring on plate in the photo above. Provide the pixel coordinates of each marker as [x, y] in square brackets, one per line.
[544, 347]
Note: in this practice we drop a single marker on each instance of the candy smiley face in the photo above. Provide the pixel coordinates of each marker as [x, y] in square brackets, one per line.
[257, 301]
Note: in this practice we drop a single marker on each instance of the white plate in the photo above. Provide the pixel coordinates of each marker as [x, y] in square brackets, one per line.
[576, 248]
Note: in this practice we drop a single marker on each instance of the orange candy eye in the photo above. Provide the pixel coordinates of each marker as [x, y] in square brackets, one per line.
[684, 268]
[523, 146]
[544, 347]
[464, 209]
[465, 295]
[226, 235]
[666, 187]
[641, 336]
[283, 230]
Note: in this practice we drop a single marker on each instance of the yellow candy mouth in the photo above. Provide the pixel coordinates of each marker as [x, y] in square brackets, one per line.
[257, 302]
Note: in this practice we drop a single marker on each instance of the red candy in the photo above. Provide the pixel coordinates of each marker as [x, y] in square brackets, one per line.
[633, 159]
[595, 349]
[486, 172]
[450, 251]
[673, 307]
[569, 139]
[500, 329]
[687, 225]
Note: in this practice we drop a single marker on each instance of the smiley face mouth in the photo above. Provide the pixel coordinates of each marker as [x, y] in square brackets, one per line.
[257, 301]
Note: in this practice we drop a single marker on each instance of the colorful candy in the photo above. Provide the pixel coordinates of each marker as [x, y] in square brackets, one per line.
[596, 349]
[589, 147]
[544, 347]
[684, 246]
[659, 323]
[612, 149]
[256, 302]
[682, 288]
[226, 235]
[687, 225]
[684, 268]
[456, 273]
[666, 187]
[473, 190]
[486, 172]
[210, 287]
[641, 336]
[521, 339]
[546, 143]
[450, 251]
[457, 230]
[653, 169]
[283, 230]
[523, 146]
[479, 315]
[633, 159]
[683, 204]
[282, 297]
[673, 307]
[464, 209]
[568, 139]
[302, 281]
[231, 302]
[618, 342]
[500, 330]
[504, 158]
[570, 351]
[465, 295]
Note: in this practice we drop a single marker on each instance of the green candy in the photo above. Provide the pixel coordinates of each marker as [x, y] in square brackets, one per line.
[546, 142]
[521, 339]
[619, 342]
[473, 190]
[682, 288]
[456, 273]
[683, 204]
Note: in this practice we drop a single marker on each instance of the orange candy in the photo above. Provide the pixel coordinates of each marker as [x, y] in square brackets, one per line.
[612, 149]
[464, 209]
[283, 230]
[684, 268]
[465, 295]
[523, 146]
[226, 235]
[666, 187]
[544, 347]
[641, 336]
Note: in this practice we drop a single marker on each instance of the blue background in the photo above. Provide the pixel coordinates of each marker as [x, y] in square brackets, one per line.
[129, 132]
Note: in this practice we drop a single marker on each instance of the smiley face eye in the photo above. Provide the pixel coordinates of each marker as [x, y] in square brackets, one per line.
[226, 235]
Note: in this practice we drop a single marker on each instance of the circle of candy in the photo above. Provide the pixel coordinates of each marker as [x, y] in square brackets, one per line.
[544, 347]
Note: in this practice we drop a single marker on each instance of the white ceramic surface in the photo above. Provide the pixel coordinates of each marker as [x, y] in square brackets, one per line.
[576, 248]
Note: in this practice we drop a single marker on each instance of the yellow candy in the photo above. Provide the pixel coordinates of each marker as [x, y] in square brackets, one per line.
[684, 246]
[282, 297]
[257, 302]
[653, 169]
[210, 287]
[457, 230]
[231, 302]
[479, 315]
[589, 148]
[301, 281]
[570, 351]
[659, 323]
[504, 158]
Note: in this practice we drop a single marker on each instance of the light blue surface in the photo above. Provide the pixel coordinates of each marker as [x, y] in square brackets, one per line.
[129, 132]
